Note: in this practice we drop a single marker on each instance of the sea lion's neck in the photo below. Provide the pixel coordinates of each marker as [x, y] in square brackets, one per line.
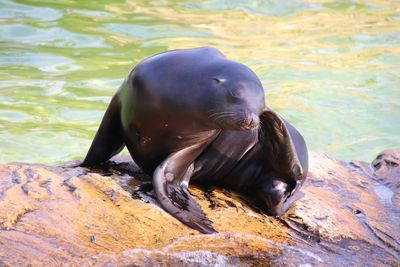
[185, 139]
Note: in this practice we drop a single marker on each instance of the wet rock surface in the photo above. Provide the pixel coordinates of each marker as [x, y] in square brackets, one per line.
[51, 216]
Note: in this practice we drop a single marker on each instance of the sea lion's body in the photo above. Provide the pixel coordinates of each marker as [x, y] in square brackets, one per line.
[193, 115]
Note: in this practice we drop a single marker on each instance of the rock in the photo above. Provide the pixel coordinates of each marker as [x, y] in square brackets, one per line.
[63, 215]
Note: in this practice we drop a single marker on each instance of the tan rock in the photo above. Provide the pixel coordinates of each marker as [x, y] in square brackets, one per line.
[74, 216]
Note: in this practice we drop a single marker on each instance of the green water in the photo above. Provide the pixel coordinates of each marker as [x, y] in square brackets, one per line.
[332, 68]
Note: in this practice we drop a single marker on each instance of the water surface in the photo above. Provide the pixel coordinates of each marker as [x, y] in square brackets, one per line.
[331, 68]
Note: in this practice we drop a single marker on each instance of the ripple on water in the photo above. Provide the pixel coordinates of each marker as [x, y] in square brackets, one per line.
[153, 31]
[331, 68]
[42, 61]
[20, 12]
[363, 41]
[54, 36]
[90, 13]
[13, 116]
[98, 84]
[81, 115]
[255, 7]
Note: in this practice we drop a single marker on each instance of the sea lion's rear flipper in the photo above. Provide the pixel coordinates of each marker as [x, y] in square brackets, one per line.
[109, 139]
[286, 152]
[171, 181]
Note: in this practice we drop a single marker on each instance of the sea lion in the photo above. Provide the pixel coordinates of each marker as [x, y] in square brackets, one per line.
[194, 115]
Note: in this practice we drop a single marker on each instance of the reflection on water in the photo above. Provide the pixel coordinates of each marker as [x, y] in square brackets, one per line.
[332, 68]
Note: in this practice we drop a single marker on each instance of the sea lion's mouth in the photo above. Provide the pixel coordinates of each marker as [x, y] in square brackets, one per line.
[251, 121]
[244, 121]
[239, 121]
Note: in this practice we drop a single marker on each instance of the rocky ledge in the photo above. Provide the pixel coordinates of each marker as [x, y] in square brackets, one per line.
[75, 216]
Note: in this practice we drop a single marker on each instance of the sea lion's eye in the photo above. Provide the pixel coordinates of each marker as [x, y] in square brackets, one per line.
[217, 80]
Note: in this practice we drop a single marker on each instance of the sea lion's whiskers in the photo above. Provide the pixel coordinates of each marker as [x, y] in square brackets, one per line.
[222, 117]
[216, 114]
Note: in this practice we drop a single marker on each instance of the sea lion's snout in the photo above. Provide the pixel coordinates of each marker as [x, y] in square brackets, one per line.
[251, 121]
[244, 120]
[238, 120]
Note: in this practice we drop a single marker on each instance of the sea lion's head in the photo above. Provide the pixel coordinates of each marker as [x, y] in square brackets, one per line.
[279, 192]
[239, 97]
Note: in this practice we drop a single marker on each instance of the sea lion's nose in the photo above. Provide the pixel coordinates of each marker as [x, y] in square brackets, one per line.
[250, 121]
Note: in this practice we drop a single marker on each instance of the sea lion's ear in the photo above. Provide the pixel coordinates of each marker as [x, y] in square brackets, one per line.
[278, 145]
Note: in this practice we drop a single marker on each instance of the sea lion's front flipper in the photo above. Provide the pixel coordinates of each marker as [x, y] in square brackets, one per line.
[286, 152]
[277, 143]
[171, 181]
[109, 139]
